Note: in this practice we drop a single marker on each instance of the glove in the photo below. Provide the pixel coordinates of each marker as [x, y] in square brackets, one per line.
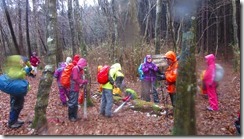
[84, 82]
[150, 67]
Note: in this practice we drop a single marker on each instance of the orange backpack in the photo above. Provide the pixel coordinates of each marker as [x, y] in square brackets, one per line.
[65, 76]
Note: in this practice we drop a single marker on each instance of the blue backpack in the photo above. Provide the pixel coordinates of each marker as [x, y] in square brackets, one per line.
[15, 87]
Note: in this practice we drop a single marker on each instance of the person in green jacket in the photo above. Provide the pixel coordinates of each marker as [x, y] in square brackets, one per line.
[16, 67]
[107, 95]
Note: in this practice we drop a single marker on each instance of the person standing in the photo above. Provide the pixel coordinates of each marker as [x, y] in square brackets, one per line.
[76, 82]
[170, 75]
[150, 70]
[35, 61]
[210, 84]
[16, 68]
[107, 91]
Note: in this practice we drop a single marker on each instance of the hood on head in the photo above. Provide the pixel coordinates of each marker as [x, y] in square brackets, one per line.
[61, 64]
[171, 55]
[99, 68]
[210, 59]
[82, 63]
[68, 60]
[148, 57]
[116, 66]
[76, 59]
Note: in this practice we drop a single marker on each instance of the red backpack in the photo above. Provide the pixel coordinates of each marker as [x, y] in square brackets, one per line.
[103, 75]
[65, 76]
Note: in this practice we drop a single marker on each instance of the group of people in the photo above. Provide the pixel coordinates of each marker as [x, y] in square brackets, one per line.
[148, 72]
[69, 95]
[148, 76]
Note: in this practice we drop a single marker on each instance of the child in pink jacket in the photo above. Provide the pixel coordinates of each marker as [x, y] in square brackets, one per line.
[211, 85]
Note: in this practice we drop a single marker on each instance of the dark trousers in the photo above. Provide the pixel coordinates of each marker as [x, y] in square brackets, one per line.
[172, 98]
[73, 104]
[16, 105]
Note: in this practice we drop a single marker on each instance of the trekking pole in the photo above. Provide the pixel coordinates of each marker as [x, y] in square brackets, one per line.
[116, 110]
[85, 103]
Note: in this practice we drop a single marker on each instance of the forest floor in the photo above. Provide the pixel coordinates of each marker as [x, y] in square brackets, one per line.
[127, 121]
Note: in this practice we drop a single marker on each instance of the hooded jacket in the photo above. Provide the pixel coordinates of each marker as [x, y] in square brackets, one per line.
[76, 59]
[171, 72]
[77, 74]
[149, 69]
[112, 76]
[209, 75]
[58, 72]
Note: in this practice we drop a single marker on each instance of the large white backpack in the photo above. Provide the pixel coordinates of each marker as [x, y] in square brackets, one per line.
[219, 72]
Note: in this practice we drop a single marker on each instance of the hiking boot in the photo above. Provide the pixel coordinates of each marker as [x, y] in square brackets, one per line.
[73, 119]
[20, 122]
[15, 125]
[209, 108]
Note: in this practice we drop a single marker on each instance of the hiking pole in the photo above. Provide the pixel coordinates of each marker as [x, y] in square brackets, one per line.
[116, 110]
[85, 103]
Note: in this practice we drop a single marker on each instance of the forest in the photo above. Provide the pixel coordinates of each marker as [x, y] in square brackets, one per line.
[105, 32]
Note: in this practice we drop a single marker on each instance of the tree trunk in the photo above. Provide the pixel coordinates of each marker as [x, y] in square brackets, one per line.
[184, 110]
[11, 28]
[158, 26]
[36, 40]
[21, 45]
[27, 28]
[235, 45]
[40, 121]
[71, 24]
[78, 18]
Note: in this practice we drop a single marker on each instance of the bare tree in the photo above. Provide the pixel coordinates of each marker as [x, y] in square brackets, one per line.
[71, 24]
[158, 26]
[40, 121]
[27, 28]
[235, 45]
[11, 28]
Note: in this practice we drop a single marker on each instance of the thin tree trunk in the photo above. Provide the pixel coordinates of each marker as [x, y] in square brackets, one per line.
[79, 28]
[225, 38]
[21, 45]
[37, 42]
[235, 45]
[27, 28]
[11, 28]
[71, 24]
[40, 121]
[158, 24]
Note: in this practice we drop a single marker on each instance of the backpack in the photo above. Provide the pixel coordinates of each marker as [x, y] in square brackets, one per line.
[103, 75]
[65, 76]
[219, 72]
[15, 87]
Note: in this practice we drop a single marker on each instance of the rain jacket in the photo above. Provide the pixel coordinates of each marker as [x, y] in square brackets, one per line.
[34, 60]
[149, 69]
[58, 72]
[76, 59]
[141, 74]
[171, 72]
[210, 72]
[112, 76]
[76, 75]
[208, 80]
[15, 67]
